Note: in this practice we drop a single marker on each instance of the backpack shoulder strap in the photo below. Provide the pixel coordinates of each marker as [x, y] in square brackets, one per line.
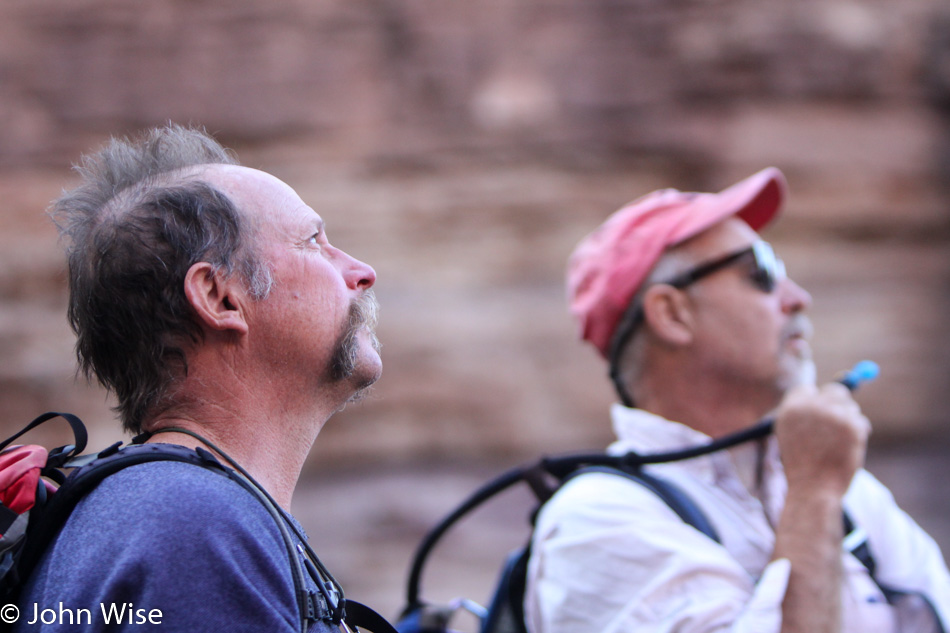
[911, 606]
[506, 611]
[330, 598]
[672, 495]
[90, 471]
[856, 542]
[362, 617]
[79, 434]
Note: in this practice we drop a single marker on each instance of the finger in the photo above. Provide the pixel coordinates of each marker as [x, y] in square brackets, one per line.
[837, 390]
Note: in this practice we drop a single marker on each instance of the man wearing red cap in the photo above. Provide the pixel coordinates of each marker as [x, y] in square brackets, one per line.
[704, 336]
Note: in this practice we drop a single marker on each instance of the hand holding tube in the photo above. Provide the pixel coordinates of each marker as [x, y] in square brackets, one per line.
[823, 433]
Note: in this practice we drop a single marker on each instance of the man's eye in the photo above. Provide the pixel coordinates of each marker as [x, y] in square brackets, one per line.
[315, 239]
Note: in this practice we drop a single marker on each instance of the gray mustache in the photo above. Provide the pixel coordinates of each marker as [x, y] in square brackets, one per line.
[364, 313]
[798, 325]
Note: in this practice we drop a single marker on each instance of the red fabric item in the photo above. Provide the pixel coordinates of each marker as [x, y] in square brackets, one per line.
[19, 475]
[608, 266]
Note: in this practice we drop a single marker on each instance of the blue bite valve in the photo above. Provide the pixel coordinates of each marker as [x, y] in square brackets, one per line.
[863, 371]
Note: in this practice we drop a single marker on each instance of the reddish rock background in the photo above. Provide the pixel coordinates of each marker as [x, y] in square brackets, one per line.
[462, 149]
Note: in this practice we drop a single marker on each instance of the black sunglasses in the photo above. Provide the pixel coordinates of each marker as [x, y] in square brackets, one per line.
[768, 271]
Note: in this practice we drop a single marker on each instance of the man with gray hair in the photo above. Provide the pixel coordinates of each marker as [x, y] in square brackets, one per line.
[207, 298]
[705, 335]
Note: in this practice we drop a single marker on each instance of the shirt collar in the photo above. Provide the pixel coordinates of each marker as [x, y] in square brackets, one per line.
[644, 432]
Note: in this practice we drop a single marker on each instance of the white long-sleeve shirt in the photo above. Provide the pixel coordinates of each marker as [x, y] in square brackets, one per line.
[610, 556]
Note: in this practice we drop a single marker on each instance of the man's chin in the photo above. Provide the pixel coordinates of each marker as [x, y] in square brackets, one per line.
[372, 371]
[363, 390]
[365, 374]
[799, 371]
[356, 358]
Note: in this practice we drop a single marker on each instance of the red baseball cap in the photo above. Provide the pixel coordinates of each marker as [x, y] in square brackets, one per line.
[607, 267]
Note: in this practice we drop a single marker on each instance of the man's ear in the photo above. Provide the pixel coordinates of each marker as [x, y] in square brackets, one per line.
[216, 301]
[667, 311]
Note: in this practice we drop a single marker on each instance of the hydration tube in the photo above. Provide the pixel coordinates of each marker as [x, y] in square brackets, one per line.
[862, 372]
[560, 467]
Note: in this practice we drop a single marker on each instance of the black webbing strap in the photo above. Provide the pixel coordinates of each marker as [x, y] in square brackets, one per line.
[57, 456]
[89, 473]
[860, 550]
[307, 610]
[914, 611]
[361, 616]
[545, 477]
[351, 612]
[91, 470]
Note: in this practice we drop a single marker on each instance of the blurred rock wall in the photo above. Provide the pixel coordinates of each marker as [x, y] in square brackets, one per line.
[463, 148]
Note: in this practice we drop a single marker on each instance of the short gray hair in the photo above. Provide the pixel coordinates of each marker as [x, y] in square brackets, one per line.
[630, 359]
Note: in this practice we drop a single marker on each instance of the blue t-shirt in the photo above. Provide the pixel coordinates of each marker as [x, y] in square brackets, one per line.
[165, 543]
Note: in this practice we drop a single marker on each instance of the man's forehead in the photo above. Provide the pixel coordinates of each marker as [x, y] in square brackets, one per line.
[257, 191]
[236, 179]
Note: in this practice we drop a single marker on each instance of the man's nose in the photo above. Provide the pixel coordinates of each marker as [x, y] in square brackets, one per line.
[794, 297]
[358, 274]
